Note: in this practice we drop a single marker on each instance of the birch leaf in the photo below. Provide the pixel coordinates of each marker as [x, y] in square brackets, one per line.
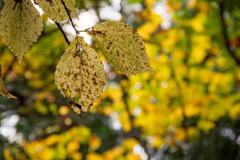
[122, 46]
[55, 9]
[80, 74]
[20, 25]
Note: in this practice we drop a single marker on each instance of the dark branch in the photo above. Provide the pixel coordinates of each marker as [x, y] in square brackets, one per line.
[69, 16]
[63, 33]
[225, 33]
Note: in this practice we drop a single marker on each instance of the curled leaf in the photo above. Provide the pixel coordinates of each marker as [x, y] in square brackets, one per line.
[56, 10]
[122, 46]
[20, 25]
[80, 75]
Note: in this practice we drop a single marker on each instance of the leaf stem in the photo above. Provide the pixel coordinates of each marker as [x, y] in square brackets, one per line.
[63, 33]
[70, 18]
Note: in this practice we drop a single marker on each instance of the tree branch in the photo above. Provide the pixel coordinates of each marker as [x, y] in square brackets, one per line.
[63, 33]
[225, 33]
[69, 16]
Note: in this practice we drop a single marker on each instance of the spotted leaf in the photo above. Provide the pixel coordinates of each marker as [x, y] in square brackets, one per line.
[20, 25]
[80, 75]
[122, 46]
[56, 10]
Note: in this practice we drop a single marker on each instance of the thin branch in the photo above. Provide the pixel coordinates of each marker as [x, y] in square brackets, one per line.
[69, 16]
[63, 33]
[225, 33]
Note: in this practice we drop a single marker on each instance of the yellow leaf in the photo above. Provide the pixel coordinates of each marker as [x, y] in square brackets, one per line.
[80, 75]
[122, 46]
[73, 146]
[63, 110]
[94, 143]
[94, 156]
[56, 10]
[20, 25]
[206, 125]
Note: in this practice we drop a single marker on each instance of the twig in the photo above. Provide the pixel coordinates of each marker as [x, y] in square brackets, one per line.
[70, 18]
[63, 33]
[225, 33]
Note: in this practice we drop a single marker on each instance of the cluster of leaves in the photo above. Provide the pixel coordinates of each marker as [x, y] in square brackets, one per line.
[188, 109]
[80, 74]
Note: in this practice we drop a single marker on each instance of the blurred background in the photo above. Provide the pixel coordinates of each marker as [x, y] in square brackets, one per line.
[189, 108]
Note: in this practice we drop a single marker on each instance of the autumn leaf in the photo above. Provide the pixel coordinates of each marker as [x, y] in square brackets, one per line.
[20, 25]
[122, 46]
[56, 10]
[80, 74]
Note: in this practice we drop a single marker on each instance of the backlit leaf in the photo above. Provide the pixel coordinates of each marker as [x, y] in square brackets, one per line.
[20, 25]
[80, 75]
[55, 9]
[122, 46]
